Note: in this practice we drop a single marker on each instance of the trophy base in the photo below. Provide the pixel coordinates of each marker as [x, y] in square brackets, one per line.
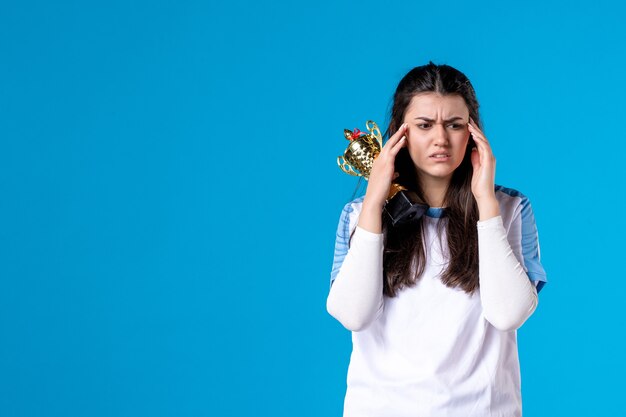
[404, 207]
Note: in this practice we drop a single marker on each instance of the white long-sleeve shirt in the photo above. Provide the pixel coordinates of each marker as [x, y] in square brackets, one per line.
[434, 326]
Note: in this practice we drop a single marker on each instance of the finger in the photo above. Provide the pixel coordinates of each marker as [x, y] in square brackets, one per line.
[481, 139]
[399, 145]
[484, 152]
[474, 130]
[401, 130]
[485, 142]
[389, 148]
[475, 157]
[480, 143]
[477, 133]
[396, 136]
[482, 148]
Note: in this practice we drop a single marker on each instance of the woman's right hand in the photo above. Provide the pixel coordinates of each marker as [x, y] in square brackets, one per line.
[383, 171]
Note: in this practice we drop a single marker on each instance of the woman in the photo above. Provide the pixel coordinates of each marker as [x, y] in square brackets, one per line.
[434, 306]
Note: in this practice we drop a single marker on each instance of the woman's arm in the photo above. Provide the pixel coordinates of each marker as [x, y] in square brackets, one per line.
[507, 295]
[356, 294]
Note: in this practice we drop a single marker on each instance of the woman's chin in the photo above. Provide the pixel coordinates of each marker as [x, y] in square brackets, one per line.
[436, 174]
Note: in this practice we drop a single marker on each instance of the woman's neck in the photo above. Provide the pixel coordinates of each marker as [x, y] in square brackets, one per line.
[435, 190]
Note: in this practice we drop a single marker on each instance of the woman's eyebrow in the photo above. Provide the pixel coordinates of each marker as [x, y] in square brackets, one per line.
[432, 120]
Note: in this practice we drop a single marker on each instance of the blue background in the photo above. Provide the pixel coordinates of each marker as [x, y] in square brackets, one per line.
[170, 194]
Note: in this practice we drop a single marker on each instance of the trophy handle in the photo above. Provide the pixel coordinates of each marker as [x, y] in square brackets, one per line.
[346, 167]
[375, 131]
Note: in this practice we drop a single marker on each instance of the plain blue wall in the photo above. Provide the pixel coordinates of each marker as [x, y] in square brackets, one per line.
[170, 194]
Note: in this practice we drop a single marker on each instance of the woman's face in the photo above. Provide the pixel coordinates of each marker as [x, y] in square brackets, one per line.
[437, 125]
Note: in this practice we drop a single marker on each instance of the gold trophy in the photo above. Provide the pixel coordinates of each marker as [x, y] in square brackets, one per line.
[402, 205]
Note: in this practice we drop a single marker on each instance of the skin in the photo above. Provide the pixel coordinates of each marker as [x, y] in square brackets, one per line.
[422, 139]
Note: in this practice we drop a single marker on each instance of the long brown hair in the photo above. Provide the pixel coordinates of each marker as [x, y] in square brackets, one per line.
[404, 257]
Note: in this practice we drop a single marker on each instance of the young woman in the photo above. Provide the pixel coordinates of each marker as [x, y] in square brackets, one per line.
[434, 306]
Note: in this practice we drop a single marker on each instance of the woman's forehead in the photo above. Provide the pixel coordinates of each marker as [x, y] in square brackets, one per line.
[432, 104]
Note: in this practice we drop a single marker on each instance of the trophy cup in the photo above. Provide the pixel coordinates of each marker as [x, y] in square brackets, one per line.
[402, 205]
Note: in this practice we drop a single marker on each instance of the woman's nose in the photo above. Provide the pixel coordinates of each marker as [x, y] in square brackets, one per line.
[441, 135]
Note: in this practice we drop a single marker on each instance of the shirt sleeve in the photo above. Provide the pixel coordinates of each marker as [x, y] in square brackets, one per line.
[529, 251]
[507, 295]
[355, 298]
[342, 240]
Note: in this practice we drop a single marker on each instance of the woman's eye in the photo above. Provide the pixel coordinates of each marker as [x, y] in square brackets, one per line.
[426, 125]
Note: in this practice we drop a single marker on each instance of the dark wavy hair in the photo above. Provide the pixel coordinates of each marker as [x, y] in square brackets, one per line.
[404, 257]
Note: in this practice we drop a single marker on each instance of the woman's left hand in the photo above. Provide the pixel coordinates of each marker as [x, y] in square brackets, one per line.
[484, 163]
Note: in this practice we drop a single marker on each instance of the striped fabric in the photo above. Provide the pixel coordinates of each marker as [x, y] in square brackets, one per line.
[517, 215]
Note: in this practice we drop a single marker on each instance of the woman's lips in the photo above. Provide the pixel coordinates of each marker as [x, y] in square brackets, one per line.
[440, 159]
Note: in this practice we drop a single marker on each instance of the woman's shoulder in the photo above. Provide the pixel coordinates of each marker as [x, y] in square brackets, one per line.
[512, 202]
[503, 191]
[350, 214]
[508, 194]
[354, 205]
